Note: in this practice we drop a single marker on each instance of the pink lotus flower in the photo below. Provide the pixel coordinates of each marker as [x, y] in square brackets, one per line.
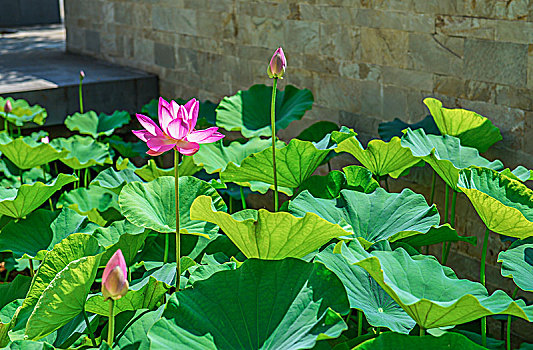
[114, 280]
[45, 140]
[177, 129]
[277, 65]
[7, 107]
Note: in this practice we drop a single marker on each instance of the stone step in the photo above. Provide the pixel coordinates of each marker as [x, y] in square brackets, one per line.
[34, 66]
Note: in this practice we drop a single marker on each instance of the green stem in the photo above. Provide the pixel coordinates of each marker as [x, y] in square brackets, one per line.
[273, 126]
[422, 331]
[446, 203]
[509, 319]
[32, 271]
[482, 279]
[81, 96]
[243, 199]
[44, 175]
[359, 323]
[5, 125]
[452, 223]
[111, 324]
[177, 201]
[230, 204]
[91, 334]
[433, 183]
[165, 254]
[87, 177]
[51, 204]
[55, 168]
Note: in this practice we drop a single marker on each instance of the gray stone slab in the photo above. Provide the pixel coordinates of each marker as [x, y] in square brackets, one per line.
[16, 13]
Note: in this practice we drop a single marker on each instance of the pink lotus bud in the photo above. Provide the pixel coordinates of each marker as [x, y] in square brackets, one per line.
[277, 65]
[114, 280]
[82, 75]
[45, 140]
[7, 107]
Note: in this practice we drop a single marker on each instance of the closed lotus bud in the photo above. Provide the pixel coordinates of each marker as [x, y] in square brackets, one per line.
[45, 140]
[82, 75]
[7, 107]
[114, 280]
[277, 65]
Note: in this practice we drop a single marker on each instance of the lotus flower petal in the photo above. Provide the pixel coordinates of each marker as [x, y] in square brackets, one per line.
[149, 125]
[205, 136]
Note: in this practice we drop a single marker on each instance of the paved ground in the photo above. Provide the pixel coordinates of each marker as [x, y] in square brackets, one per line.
[35, 66]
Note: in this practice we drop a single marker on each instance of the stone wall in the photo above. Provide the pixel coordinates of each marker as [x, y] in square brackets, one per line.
[366, 61]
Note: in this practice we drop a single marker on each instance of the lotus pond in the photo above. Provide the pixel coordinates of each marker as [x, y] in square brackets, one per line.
[103, 247]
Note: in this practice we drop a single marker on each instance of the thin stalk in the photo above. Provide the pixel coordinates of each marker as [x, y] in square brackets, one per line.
[111, 324]
[348, 316]
[81, 95]
[452, 223]
[44, 175]
[230, 204]
[177, 201]
[446, 208]
[482, 279]
[273, 125]
[19, 132]
[433, 183]
[55, 168]
[91, 334]
[359, 323]
[32, 271]
[51, 204]
[422, 331]
[243, 199]
[87, 177]
[509, 318]
[167, 242]
[5, 125]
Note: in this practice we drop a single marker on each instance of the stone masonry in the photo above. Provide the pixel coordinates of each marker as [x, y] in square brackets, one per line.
[366, 61]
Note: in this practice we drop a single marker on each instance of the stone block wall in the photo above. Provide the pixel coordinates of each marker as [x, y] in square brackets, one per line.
[366, 61]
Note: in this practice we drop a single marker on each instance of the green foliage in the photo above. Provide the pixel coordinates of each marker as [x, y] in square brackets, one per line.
[22, 112]
[84, 152]
[90, 123]
[26, 153]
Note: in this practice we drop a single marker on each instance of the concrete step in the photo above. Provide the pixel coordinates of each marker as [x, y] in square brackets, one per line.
[34, 66]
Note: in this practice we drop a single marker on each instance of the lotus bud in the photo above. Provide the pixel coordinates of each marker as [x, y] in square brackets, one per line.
[45, 140]
[277, 65]
[82, 75]
[114, 280]
[7, 107]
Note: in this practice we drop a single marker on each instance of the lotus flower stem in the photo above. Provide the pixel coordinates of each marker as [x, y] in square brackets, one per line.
[452, 223]
[433, 183]
[273, 126]
[509, 319]
[230, 204]
[482, 279]
[177, 200]
[165, 254]
[422, 331]
[446, 203]
[91, 334]
[243, 199]
[51, 204]
[111, 324]
[32, 271]
[359, 323]
[82, 75]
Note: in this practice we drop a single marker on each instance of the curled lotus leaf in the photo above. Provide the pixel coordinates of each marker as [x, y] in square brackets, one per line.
[90, 123]
[84, 152]
[22, 112]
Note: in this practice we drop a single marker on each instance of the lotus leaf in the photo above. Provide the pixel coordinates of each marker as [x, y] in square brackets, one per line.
[90, 123]
[251, 308]
[505, 205]
[151, 205]
[446, 155]
[317, 131]
[390, 340]
[22, 112]
[246, 110]
[84, 152]
[381, 158]
[388, 130]
[472, 129]
[127, 149]
[134, 334]
[371, 217]
[18, 203]
[121, 235]
[428, 292]
[114, 180]
[517, 263]
[438, 234]
[26, 153]
[151, 172]
[520, 173]
[265, 235]
[365, 294]
[97, 203]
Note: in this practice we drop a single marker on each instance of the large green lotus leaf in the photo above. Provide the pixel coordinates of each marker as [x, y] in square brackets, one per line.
[288, 304]
[317, 131]
[72, 248]
[520, 173]
[64, 298]
[40, 231]
[389, 340]
[18, 203]
[27, 153]
[365, 294]
[214, 157]
[381, 158]
[22, 112]
[207, 268]
[99, 204]
[29, 345]
[13, 290]
[150, 171]
[505, 205]
[147, 297]
[151, 205]
[428, 292]
[249, 111]
[438, 234]
[84, 152]
[114, 180]
[472, 129]
[121, 235]
[131, 328]
[517, 263]
[89, 123]
[352, 177]
[127, 149]
[265, 235]
[295, 163]
[388, 130]
[446, 155]
[371, 217]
